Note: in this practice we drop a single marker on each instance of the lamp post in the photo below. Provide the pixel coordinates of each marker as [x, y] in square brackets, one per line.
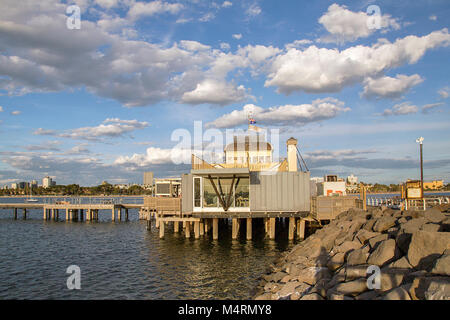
[420, 142]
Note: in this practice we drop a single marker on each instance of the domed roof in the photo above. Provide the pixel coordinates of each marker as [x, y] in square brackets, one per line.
[248, 143]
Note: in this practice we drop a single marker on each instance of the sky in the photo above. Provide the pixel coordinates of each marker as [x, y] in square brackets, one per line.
[356, 82]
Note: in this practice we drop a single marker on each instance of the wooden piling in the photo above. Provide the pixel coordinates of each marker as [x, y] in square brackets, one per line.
[197, 229]
[126, 214]
[215, 228]
[272, 228]
[202, 228]
[291, 228]
[187, 231]
[249, 228]
[113, 214]
[119, 214]
[15, 213]
[24, 214]
[176, 226]
[161, 229]
[235, 228]
[301, 229]
[67, 214]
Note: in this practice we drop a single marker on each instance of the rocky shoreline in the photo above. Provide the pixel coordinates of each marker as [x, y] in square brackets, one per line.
[410, 248]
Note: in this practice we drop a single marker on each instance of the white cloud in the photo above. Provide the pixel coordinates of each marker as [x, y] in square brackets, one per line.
[107, 3]
[237, 36]
[429, 107]
[193, 45]
[444, 92]
[141, 9]
[225, 46]
[207, 17]
[156, 156]
[432, 17]
[345, 25]
[16, 112]
[290, 115]
[1, 109]
[317, 70]
[111, 127]
[388, 87]
[227, 4]
[400, 109]
[253, 10]
[215, 92]
[298, 43]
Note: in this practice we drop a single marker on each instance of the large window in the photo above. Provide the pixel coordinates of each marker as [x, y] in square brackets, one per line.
[209, 195]
[197, 192]
[242, 193]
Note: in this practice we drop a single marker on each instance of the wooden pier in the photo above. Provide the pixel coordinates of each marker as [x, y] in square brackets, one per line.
[73, 212]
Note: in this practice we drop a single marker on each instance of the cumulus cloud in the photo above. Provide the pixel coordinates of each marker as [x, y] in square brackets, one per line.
[253, 10]
[16, 112]
[215, 92]
[237, 36]
[111, 127]
[430, 107]
[49, 145]
[227, 4]
[345, 25]
[318, 70]
[388, 87]
[142, 9]
[225, 46]
[1, 109]
[288, 115]
[444, 92]
[432, 17]
[401, 109]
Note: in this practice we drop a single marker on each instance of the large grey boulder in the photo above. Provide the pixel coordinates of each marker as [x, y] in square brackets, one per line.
[442, 265]
[358, 256]
[426, 247]
[312, 296]
[384, 224]
[434, 215]
[313, 274]
[336, 261]
[351, 288]
[430, 288]
[397, 294]
[363, 235]
[384, 253]
[375, 240]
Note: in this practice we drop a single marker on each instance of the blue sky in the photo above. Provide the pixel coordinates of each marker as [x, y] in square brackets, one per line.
[101, 102]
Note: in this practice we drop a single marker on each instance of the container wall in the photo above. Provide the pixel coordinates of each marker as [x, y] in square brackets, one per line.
[186, 193]
[281, 191]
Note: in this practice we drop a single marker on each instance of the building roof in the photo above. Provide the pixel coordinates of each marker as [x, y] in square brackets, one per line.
[221, 172]
[248, 143]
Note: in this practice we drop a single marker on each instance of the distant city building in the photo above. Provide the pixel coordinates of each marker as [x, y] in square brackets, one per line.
[148, 178]
[22, 185]
[47, 182]
[313, 185]
[331, 186]
[433, 185]
[34, 184]
[14, 185]
[351, 179]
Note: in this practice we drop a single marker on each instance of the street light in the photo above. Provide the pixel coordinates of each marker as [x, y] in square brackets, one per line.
[420, 142]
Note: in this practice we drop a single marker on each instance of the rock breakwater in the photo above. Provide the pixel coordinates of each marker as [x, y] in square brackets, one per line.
[380, 253]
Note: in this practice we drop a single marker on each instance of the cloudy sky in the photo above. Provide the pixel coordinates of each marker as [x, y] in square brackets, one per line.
[103, 102]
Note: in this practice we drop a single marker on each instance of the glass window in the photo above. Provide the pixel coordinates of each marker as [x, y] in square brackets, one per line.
[242, 193]
[209, 195]
[197, 192]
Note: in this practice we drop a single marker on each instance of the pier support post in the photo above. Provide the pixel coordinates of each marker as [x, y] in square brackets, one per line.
[161, 229]
[56, 214]
[291, 228]
[235, 228]
[88, 214]
[24, 214]
[119, 214]
[126, 214]
[67, 214]
[149, 223]
[113, 215]
[301, 229]
[266, 225]
[207, 225]
[215, 228]
[187, 231]
[15, 213]
[176, 226]
[272, 228]
[202, 227]
[197, 229]
[81, 215]
[52, 214]
[249, 228]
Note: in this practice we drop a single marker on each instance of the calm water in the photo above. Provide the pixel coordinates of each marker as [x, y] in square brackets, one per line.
[123, 260]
